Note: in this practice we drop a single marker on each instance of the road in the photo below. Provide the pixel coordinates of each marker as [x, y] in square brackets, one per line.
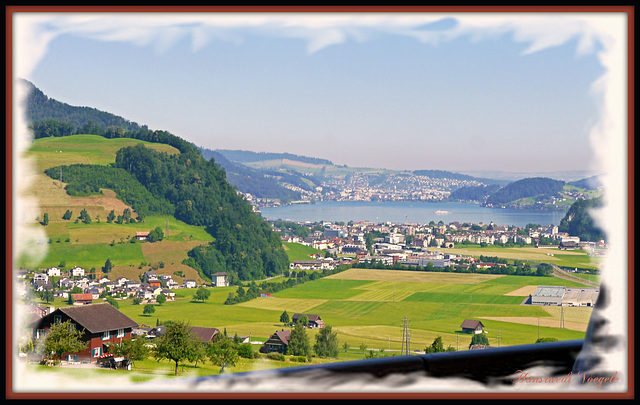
[558, 272]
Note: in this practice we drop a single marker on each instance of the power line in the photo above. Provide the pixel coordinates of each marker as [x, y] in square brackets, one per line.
[406, 338]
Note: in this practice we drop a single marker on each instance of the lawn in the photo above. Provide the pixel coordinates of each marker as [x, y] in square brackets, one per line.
[297, 251]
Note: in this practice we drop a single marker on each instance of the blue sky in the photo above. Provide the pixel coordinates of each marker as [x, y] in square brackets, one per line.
[420, 92]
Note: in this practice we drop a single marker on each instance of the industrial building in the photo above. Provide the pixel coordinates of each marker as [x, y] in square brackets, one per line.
[565, 296]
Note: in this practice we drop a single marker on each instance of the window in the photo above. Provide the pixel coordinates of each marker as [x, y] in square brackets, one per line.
[57, 319]
[72, 327]
[120, 333]
[97, 352]
[105, 335]
[72, 357]
[41, 333]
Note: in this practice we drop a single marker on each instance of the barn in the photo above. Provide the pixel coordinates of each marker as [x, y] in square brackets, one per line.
[472, 326]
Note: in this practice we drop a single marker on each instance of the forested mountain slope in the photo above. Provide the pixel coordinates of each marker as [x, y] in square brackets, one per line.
[186, 185]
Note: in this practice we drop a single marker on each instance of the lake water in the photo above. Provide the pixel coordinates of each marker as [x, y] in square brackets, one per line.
[412, 212]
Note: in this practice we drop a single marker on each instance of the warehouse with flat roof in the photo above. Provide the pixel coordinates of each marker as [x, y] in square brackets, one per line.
[565, 296]
[580, 297]
[548, 295]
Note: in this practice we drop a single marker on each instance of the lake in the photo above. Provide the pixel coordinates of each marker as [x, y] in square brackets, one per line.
[410, 211]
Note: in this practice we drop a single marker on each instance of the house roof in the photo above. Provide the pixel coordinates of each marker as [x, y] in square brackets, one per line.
[312, 318]
[284, 336]
[82, 297]
[204, 334]
[97, 318]
[471, 324]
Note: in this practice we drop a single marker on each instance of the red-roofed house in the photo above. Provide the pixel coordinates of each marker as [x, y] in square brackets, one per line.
[102, 324]
[82, 299]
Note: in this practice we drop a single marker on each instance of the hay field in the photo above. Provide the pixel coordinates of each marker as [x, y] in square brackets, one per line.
[577, 258]
[523, 291]
[413, 276]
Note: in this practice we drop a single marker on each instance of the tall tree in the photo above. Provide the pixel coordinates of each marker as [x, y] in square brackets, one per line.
[299, 342]
[202, 294]
[223, 352]
[176, 345]
[326, 343]
[284, 318]
[436, 347]
[108, 266]
[148, 309]
[64, 338]
[479, 339]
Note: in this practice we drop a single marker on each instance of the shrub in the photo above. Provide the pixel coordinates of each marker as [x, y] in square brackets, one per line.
[275, 356]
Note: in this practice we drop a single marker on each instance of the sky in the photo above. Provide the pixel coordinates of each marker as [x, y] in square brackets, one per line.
[517, 92]
[398, 91]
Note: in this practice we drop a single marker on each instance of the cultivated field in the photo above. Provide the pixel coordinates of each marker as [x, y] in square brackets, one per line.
[577, 258]
[368, 307]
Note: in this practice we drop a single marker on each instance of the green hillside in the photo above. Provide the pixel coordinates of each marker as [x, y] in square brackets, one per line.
[140, 181]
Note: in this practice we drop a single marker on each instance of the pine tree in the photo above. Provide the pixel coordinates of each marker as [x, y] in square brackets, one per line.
[299, 342]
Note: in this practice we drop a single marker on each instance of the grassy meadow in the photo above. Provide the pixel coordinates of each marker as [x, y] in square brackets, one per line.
[90, 245]
[568, 258]
[297, 251]
[367, 309]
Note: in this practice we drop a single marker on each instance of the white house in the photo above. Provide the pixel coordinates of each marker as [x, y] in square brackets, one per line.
[77, 271]
[40, 277]
[220, 280]
[189, 283]
[54, 272]
[171, 283]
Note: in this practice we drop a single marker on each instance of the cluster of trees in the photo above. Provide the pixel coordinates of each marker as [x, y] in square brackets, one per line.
[578, 221]
[48, 117]
[125, 218]
[301, 231]
[492, 259]
[326, 344]
[473, 193]
[83, 180]
[518, 269]
[179, 344]
[437, 347]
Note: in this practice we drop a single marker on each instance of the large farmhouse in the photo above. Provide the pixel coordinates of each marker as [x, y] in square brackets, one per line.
[102, 323]
[278, 342]
[314, 320]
